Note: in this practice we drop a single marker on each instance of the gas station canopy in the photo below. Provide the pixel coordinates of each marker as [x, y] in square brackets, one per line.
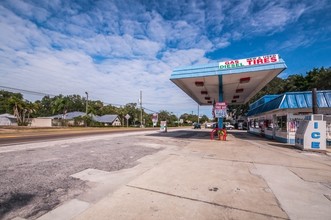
[232, 82]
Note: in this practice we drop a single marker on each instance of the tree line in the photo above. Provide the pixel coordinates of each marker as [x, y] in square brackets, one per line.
[14, 103]
[24, 110]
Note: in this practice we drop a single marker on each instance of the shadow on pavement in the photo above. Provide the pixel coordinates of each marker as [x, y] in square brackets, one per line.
[249, 136]
[15, 201]
[184, 134]
[205, 135]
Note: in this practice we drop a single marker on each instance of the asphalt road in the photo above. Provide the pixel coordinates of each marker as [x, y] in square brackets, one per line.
[35, 177]
[30, 136]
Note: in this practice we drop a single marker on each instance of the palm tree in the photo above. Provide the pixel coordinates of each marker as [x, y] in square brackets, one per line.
[59, 105]
[18, 109]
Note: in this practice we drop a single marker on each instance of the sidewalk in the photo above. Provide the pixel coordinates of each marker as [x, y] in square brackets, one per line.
[244, 177]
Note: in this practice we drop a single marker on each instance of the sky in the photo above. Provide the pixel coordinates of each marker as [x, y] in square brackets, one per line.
[115, 49]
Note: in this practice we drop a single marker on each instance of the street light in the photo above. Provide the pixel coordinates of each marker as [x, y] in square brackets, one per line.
[86, 101]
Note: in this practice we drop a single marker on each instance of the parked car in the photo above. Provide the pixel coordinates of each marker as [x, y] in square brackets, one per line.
[210, 125]
[197, 126]
[229, 127]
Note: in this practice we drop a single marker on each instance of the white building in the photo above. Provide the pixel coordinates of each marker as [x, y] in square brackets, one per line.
[7, 120]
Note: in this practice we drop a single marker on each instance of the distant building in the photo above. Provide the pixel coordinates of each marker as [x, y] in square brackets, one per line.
[278, 116]
[108, 120]
[7, 120]
[70, 119]
[57, 120]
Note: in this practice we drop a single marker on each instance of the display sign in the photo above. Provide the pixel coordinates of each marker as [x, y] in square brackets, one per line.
[220, 110]
[155, 119]
[274, 58]
[163, 126]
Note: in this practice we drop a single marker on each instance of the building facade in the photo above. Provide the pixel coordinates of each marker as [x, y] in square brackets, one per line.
[278, 116]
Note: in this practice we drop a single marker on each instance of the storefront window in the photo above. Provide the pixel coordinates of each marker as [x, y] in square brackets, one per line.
[256, 124]
[293, 125]
[269, 124]
[281, 123]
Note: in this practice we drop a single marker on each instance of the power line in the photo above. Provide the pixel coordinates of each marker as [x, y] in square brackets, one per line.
[52, 95]
[150, 110]
[27, 91]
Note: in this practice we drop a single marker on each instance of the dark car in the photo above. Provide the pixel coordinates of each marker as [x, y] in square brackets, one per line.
[197, 126]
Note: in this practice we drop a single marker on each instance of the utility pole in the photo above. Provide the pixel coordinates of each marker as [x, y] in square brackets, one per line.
[141, 109]
[198, 115]
[86, 108]
[314, 101]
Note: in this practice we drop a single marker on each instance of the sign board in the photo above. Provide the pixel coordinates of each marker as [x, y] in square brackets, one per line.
[163, 126]
[220, 110]
[127, 116]
[230, 64]
[155, 118]
[311, 133]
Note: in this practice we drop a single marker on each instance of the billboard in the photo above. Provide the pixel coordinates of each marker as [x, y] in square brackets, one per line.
[230, 64]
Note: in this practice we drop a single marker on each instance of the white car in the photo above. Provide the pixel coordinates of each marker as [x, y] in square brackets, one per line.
[229, 127]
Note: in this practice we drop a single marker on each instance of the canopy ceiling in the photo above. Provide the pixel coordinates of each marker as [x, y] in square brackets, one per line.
[236, 84]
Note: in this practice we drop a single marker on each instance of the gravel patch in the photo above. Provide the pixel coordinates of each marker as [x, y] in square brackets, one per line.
[37, 180]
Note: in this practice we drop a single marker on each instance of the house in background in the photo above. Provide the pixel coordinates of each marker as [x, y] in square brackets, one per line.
[7, 120]
[108, 120]
[69, 119]
[41, 122]
[57, 120]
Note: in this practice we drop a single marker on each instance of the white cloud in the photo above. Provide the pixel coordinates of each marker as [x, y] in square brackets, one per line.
[113, 50]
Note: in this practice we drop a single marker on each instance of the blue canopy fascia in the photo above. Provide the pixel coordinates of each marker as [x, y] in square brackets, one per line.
[292, 100]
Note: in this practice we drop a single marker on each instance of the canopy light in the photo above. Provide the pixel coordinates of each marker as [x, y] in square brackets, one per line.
[236, 97]
[204, 93]
[207, 98]
[233, 101]
[239, 90]
[199, 83]
[245, 80]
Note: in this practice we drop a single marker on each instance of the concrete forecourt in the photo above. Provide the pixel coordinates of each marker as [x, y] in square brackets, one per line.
[192, 177]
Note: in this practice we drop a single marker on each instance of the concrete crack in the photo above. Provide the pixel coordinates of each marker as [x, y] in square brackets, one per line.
[206, 202]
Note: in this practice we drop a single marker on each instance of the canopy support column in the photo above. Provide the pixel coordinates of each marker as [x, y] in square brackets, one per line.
[220, 98]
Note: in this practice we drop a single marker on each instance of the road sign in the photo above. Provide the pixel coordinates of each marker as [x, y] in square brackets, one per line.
[127, 116]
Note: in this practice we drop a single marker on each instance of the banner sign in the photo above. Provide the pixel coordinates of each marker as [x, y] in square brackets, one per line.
[220, 110]
[155, 119]
[274, 58]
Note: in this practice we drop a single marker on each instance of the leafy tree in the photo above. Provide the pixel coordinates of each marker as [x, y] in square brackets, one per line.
[204, 119]
[319, 78]
[294, 83]
[20, 109]
[59, 105]
[189, 118]
[6, 101]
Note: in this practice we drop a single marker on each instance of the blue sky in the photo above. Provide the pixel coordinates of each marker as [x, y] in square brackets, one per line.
[114, 49]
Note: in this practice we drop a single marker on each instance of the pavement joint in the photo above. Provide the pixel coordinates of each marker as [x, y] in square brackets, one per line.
[206, 202]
